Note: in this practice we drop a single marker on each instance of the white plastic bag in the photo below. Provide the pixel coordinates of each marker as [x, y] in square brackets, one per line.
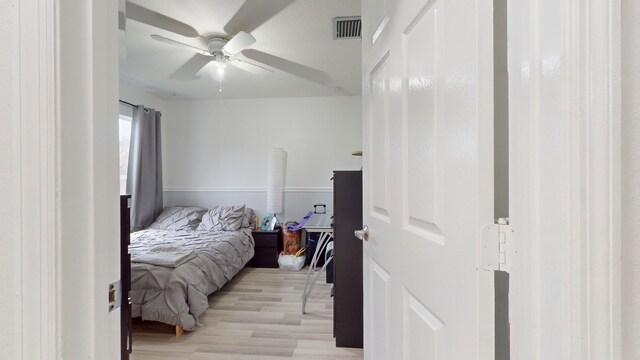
[291, 262]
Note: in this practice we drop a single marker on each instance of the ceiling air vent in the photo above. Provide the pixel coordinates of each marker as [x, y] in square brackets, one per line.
[346, 27]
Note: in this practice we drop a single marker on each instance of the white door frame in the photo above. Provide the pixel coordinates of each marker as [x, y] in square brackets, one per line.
[564, 69]
[63, 89]
[630, 31]
[61, 178]
[30, 255]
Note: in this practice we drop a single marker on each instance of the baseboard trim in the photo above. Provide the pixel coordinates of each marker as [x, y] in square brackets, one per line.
[247, 189]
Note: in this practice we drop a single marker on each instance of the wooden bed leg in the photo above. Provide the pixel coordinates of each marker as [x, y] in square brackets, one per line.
[179, 330]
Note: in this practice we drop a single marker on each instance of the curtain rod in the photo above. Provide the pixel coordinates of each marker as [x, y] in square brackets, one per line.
[133, 106]
[128, 103]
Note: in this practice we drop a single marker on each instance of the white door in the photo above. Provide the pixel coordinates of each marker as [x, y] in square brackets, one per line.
[428, 178]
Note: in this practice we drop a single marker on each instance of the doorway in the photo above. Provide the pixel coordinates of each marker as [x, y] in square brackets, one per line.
[501, 166]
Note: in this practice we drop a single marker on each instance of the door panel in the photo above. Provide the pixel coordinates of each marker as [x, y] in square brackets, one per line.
[427, 179]
[423, 330]
[378, 18]
[422, 54]
[379, 159]
[380, 311]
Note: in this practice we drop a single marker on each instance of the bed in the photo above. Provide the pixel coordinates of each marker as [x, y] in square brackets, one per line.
[184, 256]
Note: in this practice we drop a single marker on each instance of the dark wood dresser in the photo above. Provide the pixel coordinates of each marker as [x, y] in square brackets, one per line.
[126, 328]
[347, 249]
[268, 246]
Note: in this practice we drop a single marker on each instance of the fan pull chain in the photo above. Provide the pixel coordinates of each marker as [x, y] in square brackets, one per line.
[220, 73]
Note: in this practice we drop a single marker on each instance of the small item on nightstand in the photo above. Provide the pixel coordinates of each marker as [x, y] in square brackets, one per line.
[269, 223]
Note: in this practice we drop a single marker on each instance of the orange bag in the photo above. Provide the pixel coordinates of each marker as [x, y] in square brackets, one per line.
[290, 241]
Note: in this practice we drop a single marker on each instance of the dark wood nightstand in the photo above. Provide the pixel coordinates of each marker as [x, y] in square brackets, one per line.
[268, 246]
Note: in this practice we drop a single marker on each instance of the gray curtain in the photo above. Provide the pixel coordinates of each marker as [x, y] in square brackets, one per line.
[144, 176]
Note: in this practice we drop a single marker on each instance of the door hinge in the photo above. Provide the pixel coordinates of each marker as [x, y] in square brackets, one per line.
[496, 246]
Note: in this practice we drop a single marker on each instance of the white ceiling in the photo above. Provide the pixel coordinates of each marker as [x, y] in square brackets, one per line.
[294, 35]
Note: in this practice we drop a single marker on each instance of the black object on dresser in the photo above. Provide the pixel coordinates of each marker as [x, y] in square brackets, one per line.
[347, 261]
[126, 326]
[268, 246]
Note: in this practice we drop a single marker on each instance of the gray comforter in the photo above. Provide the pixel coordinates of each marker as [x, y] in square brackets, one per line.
[178, 295]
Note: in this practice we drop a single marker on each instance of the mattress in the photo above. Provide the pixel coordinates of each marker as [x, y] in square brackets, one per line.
[178, 295]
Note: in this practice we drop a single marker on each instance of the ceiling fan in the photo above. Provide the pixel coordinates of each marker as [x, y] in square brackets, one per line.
[224, 50]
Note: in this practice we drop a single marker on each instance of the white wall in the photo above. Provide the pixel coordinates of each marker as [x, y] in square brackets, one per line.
[630, 179]
[215, 152]
[139, 96]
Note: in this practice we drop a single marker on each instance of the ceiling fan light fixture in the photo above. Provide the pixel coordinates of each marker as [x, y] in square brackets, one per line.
[221, 64]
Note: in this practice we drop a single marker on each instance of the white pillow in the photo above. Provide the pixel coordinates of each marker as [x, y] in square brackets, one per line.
[178, 218]
[249, 219]
[223, 218]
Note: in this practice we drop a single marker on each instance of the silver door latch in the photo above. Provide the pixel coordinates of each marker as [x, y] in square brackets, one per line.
[115, 295]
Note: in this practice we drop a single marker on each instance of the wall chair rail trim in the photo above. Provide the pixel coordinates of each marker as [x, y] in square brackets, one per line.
[245, 189]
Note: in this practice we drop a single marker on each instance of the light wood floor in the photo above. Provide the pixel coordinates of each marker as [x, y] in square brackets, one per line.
[256, 316]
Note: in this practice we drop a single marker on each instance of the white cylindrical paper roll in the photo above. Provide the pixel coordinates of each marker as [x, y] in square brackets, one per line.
[275, 180]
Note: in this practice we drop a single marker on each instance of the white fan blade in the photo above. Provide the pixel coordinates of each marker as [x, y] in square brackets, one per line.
[241, 41]
[288, 66]
[252, 68]
[152, 18]
[190, 69]
[254, 13]
[179, 44]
